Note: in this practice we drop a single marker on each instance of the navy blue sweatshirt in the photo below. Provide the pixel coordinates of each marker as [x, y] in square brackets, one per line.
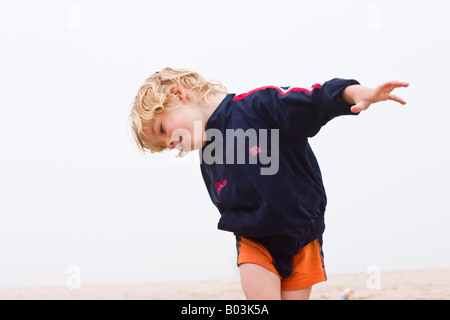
[283, 208]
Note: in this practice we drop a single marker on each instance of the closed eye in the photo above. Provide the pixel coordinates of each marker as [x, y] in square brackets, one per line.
[161, 130]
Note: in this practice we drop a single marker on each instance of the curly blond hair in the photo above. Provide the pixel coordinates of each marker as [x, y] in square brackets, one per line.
[154, 96]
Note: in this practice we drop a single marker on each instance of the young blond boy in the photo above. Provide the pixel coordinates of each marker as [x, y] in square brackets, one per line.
[277, 215]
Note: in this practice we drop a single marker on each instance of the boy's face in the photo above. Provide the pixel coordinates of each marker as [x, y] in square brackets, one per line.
[179, 126]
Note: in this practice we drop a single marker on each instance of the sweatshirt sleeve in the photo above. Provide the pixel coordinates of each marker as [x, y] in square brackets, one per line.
[301, 112]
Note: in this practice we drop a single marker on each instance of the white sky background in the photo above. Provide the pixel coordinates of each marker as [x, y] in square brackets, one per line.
[74, 190]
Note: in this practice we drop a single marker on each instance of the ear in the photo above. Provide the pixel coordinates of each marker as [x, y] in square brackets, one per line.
[179, 91]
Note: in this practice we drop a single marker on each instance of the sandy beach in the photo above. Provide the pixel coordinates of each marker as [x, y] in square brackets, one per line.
[393, 285]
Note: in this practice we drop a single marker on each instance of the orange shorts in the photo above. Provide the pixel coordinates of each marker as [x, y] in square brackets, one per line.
[307, 265]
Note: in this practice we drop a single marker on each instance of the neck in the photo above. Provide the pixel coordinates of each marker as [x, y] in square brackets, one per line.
[215, 101]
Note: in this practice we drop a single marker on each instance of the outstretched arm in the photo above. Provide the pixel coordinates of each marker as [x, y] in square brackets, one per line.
[361, 97]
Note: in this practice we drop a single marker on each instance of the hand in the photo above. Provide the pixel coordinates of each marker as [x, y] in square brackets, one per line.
[363, 97]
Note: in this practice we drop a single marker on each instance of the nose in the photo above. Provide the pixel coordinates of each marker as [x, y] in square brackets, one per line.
[173, 143]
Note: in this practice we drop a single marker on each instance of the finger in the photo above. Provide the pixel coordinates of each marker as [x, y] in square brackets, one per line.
[399, 83]
[358, 108]
[355, 109]
[396, 98]
[384, 90]
[391, 85]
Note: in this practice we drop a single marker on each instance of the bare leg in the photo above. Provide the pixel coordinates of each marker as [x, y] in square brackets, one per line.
[302, 294]
[259, 283]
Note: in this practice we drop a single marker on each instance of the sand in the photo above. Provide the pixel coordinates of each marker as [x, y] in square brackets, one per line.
[393, 285]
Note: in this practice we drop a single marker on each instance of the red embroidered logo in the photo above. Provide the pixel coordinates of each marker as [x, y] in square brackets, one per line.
[220, 185]
[254, 150]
